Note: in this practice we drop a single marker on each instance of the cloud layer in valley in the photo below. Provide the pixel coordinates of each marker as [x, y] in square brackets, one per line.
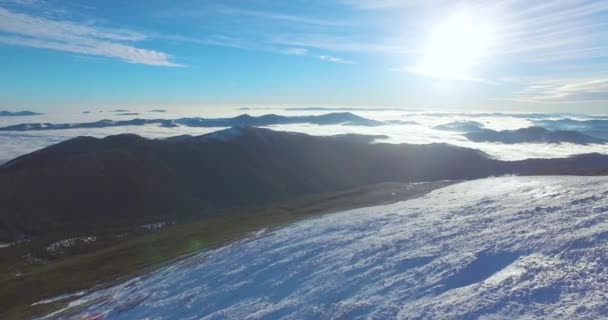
[399, 127]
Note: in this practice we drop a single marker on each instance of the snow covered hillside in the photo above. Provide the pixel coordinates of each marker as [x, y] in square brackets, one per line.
[511, 247]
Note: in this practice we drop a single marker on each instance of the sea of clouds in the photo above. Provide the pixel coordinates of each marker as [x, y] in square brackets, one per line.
[15, 143]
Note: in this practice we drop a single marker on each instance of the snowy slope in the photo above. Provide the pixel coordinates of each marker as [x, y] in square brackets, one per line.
[511, 247]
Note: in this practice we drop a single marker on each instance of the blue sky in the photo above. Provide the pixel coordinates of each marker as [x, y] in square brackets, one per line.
[466, 55]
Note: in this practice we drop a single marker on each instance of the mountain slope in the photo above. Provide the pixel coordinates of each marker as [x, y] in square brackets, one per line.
[500, 248]
[531, 134]
[460, 126]
[88, 184]
[596, 128]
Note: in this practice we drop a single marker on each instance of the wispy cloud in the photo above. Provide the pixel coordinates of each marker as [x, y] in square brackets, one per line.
[335, 60]
[269, 15]
[295, 51]
[441, 75]
[551, 31]
[572, 91]
[531, 37]
[528, 31]
[384, 4]
[22, 29]
[330, 42]
[236, 43]
[22, 2]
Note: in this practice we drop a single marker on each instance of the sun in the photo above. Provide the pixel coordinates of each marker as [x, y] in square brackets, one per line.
[456, 47]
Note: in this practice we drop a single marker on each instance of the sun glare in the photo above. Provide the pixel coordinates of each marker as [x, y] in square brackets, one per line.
[455, 47]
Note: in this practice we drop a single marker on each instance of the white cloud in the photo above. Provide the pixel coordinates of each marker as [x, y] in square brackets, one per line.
[554, 31]
[335, 60]
[526, 32]
[560, 91]
[295, 51]
[441, 75]
[18, 143]
[280, 17]
[333, 43]
[385, 4]
[23, 2]
[21, 29]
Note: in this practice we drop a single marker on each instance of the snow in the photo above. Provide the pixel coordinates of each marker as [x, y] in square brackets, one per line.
[497, 248]
[57, 248]
[6, 244]
[156, 225]
[59, 298]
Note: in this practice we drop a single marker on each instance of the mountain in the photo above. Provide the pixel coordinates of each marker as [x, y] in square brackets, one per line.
[460, 126]
[532, 134]
[128, 114]
[496, 248]
[536, 116]
[343, 118]
[87, 125]
[403, 122]
[88, 184]
[597, 128]
[18, 113]
[346, 109]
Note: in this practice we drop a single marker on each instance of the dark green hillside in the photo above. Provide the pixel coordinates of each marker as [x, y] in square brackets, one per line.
[86, 184]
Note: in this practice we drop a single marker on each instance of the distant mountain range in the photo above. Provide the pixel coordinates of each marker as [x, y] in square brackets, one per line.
[349, 109]
[87, 184]
[532, 135]
[460, 126]
[596, 128]
[341, 118]
[18, 113]
[476, 132]
[537, 116]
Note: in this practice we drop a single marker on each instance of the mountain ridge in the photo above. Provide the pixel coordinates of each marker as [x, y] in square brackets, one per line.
[4, 113]
[335, 118]
[93, 183]
[532, 135]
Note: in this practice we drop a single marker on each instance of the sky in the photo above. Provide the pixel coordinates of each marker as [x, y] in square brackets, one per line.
[517, 55]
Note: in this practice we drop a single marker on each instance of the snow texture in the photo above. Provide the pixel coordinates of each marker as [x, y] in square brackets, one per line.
[57, 248]
[497, 248]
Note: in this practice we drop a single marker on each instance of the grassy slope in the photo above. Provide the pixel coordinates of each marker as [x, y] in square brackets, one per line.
[110, 259]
